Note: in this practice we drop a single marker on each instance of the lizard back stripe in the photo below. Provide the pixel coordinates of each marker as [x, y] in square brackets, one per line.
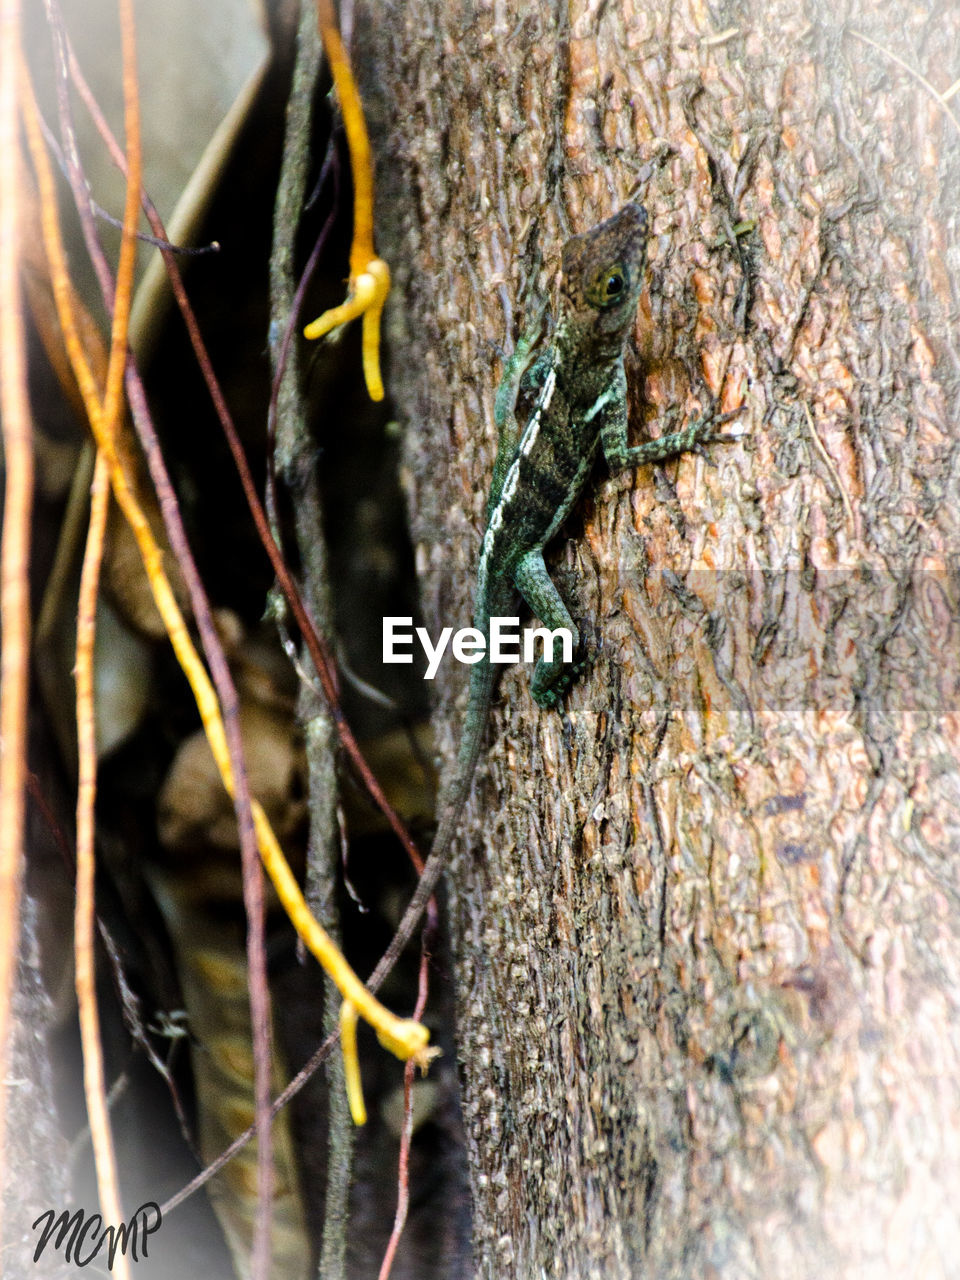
[527, 441]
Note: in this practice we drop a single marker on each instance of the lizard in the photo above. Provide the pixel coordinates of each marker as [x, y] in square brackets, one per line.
[579, 391]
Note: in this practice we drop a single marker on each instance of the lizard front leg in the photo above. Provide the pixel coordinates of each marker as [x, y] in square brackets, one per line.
[620, 455]
[550, 679]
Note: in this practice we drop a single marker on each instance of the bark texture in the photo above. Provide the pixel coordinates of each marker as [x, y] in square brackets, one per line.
[707, 921]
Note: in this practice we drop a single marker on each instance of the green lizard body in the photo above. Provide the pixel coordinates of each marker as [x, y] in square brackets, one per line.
[580, 405]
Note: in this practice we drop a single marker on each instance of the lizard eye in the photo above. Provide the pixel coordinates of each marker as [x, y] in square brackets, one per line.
[608, 286]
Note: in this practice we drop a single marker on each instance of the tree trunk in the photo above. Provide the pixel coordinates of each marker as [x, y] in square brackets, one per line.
[706, 921]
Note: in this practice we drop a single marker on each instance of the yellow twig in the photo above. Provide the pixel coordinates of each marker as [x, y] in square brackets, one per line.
[348, 1038]
[369, 281]
[94, 1083]
[15, 553]
[404, 1037]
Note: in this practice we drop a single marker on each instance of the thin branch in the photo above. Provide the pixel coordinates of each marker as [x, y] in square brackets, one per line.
[831, 468]
[131, 510]
[252, 877]
[93, 1072]
[251, 871]
[94, 1084]
[402, 1036]
[306, 1072]
[291, 433]
[406, 1132]
[128, 999]
[939, 98]
[15, 552]
[317, 647]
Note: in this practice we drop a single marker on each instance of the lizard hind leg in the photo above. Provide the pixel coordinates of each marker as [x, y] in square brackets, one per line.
[551, 677]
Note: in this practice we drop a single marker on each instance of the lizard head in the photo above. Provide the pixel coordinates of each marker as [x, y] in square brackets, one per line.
[603, 279]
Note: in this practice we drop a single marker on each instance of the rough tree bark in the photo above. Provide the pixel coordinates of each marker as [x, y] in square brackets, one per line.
[706, 922]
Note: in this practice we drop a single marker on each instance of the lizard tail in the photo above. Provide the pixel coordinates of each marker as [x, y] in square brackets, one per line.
[481, 691]
[482, 678]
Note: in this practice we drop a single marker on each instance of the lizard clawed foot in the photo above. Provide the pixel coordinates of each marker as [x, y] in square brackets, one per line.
[551, 688]
[705, 428]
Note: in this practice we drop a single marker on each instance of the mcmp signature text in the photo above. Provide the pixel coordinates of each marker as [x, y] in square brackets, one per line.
[75, 1228]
